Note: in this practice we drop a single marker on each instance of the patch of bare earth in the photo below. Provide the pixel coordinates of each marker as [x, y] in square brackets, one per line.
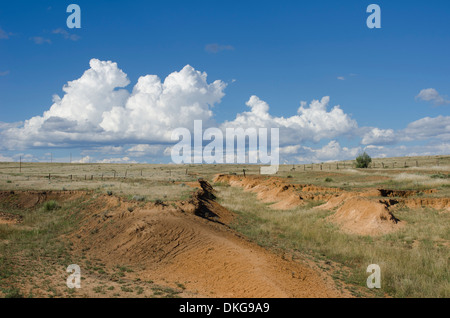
[187, 244]
[360, 212]
[191, 243]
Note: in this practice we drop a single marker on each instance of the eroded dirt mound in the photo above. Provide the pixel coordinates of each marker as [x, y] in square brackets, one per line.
[190, 242]
[282, 194]
[360, 215]
[403, 193]
[434, 203]
[8, 218]
[31, 199]
[360, 212]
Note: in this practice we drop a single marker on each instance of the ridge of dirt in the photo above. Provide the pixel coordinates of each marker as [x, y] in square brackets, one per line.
[363, 216]
[361, 212]
[187, 242]
[277, 191]
[24, 199]
[8, 218]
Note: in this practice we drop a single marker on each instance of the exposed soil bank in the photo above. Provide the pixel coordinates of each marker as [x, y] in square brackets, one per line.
[187, 242]
[356, 212]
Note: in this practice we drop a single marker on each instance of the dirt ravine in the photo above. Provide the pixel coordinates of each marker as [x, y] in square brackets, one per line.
[364, 212]
[188, 242]
[191, 243]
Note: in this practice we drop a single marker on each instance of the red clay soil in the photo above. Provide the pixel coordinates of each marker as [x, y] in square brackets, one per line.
[191, 243]
[363, 216]
[188, 242]
[8, 218]
[281, 194]
[361, 213]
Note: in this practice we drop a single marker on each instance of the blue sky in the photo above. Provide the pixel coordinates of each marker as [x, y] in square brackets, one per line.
[284, 52]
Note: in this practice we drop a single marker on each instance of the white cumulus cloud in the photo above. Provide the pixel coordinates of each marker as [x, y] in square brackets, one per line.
[332, 151]
[379, 136]
[432, 95]
[96, 108]
[312, 123]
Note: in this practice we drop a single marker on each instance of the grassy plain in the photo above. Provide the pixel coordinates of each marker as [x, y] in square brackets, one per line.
[414, 260]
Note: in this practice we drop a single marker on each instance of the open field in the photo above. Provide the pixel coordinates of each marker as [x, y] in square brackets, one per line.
[155, 231]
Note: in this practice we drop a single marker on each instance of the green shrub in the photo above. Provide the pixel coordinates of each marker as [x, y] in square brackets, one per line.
[51, 205]
[328, 179]
[363, 160]
[440, 176]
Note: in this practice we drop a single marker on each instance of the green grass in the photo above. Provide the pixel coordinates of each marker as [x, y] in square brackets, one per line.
[36, 245]
[51, 205]
[440, 176]
[414, 261]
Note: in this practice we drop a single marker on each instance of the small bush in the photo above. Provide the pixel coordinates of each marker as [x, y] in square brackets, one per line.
[109, 193]
[9, 181]
[440, 176]
[328, 179]
[363, 160]
[51, 205]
